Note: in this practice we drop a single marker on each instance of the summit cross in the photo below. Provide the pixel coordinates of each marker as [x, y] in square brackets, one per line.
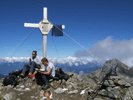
[44, 26]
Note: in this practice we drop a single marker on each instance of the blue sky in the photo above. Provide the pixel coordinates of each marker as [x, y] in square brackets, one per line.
[86, 21]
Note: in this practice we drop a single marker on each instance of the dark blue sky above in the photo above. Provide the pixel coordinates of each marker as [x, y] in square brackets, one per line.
[87, 21]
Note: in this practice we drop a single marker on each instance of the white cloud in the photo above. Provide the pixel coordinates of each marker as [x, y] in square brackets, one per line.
[14, 59]
[110, 49]
[74, 61]
[128, 62]
[61, 61]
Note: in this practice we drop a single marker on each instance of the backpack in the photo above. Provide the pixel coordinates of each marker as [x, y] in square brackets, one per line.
[11, 79]
[61, 75]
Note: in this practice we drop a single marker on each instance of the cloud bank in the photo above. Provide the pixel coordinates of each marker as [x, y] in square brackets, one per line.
[75, 61]
[69, 64]
[70, 61]
[110, 49]
[14, 59]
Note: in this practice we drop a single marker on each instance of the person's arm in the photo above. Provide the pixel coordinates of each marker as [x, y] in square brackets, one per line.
[37, 60]
[47, 73]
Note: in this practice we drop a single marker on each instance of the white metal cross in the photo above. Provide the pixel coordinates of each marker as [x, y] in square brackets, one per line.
[44, 26]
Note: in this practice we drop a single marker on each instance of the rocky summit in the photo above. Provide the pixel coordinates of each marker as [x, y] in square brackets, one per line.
[113, 81]
[30, 90]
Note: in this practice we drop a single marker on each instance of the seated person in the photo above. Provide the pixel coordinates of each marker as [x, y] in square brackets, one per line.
[49, 73]
[34, 63]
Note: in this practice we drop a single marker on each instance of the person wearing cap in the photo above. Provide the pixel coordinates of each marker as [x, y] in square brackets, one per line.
[34, 63]
[49, 73]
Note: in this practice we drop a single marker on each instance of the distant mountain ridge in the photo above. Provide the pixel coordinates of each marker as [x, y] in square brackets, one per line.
[2, 76]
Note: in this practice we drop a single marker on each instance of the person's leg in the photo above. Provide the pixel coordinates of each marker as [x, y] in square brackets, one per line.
[37, 66]
[45, 81]
[39, 79]
[25, 68]
[33, 66]
[49, 77]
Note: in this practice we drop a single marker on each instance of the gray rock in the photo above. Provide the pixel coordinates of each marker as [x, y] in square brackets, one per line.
[127, 85]
[1, 87]
[27, 89]
[69, 87]
[98, 99]
[33, 87]
[104, 92]
[107, 98]
[117, 88]
[8, 96]
[9, 86]
[129, 94]
[71, 84]
[73, 92]
[113, 92]
[109, 88]
[32, 97]
[29, 84]
[111, 95]
[106, 83]
[19, 89]
[111, 82]
[120, 82]
[59, 91]
[0, 92]
[115, 77]
[21, 93]
[22, 86]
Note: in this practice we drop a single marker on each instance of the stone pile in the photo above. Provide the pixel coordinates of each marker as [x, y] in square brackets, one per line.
[113, 88]
[118, 87]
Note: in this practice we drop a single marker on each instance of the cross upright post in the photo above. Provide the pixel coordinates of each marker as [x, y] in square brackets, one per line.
[44, 26]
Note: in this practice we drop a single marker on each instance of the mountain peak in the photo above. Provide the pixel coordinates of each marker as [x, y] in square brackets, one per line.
[115, 63]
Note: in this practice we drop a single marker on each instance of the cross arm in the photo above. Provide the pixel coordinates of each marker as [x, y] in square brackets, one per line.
[31, 25]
